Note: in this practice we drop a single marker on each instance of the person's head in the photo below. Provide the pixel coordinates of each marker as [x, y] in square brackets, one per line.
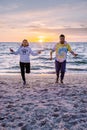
[25, 43]
[62, 38]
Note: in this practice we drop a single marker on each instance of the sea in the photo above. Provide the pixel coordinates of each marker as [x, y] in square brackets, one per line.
[42, 64]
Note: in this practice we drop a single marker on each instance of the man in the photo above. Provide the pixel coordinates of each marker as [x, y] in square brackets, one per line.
[61, 50]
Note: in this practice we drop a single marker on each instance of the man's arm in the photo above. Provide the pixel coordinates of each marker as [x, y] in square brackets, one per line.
[73, 53]
[51, 52]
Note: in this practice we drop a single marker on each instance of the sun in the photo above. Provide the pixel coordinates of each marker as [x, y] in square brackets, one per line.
[41, 39]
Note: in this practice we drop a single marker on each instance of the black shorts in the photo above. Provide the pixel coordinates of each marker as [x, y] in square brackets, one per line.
[25, 66]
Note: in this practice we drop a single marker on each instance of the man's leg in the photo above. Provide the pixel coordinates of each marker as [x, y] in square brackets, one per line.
[22, 67]
[63, 69]
[57, 67]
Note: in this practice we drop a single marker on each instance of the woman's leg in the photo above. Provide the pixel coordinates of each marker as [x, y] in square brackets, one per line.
[27, 65]
[22, 67]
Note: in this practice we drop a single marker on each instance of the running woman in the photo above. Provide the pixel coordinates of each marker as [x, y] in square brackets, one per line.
[24, 51]
[61, 50]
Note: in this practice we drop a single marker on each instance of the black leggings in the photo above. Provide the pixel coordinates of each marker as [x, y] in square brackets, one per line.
[23, 67]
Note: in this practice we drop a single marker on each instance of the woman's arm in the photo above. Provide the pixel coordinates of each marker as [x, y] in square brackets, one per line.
[14, 52]
[34, 53]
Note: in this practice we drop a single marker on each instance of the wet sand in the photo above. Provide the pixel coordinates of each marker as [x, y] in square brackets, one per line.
[42, 104]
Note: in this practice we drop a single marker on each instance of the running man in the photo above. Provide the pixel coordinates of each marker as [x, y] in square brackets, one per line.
[61, 50]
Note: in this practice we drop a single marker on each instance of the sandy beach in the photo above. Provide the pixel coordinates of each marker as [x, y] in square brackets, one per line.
[42, 104]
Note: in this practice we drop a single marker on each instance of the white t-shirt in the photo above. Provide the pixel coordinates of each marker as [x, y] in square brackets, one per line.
[24, 53]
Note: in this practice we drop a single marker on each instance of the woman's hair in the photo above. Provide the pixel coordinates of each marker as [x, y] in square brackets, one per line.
[25, 43]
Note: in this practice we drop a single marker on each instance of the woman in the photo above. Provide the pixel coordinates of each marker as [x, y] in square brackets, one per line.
[24, 51]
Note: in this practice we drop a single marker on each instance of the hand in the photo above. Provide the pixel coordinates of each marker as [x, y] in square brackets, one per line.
[51, 58]
[11, 50]
[75, 55]
[39, 52]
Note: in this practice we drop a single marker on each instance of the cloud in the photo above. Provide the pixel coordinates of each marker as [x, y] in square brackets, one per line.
[54, 17]
[48, 16]
[14, 6]
[72, 31]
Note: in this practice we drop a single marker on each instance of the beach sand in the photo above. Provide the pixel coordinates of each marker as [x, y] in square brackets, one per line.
[43, 104]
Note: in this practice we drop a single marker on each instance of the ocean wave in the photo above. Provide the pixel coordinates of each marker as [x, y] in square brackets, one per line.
[41, 63]
[76, 69]
[78, 62]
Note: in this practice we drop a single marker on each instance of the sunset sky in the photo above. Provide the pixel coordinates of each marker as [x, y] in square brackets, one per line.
[43, 20]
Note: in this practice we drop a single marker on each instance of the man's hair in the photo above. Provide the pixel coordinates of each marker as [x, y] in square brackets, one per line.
[62, 35]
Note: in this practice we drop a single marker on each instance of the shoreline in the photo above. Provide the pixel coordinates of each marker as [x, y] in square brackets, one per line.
[67, 73]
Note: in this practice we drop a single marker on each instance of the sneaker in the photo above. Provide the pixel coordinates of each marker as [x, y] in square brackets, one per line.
[57, 80]
[61, 81]
[24, 82]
